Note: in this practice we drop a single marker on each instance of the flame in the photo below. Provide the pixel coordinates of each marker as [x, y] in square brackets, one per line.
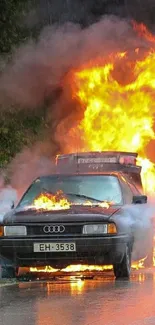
[117, 98]
[148, 174]
[46, 269]
[88, 268]
[104, 205]
[118, 115]
[139, 264]
[59, 202]
[143, 32]
[108, 102]
[84, 268]
[51, 202]
[73, 268]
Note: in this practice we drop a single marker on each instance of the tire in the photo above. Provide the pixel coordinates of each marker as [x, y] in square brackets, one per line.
[123, 270]
[7, 272]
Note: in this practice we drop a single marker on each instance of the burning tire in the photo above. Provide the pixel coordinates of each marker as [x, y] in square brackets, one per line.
[123, 269]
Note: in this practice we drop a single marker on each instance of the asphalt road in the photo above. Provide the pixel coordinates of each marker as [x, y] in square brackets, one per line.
[101, 301]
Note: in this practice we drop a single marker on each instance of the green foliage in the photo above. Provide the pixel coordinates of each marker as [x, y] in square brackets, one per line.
[12, 31]
[18, 129]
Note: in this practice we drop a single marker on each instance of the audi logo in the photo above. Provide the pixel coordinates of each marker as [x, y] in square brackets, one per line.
[54, 229]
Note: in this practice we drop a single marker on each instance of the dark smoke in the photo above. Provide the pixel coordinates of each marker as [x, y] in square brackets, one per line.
[39, 68]
[142, 11]
[83, 12]
[38, 73]
[87, 12]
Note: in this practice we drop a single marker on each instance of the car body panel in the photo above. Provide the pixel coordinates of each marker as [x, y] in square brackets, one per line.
[90, 249]
[83, 213]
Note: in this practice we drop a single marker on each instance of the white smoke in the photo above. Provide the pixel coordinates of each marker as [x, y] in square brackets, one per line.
[8, 195]
[140, 218]
[24, 169]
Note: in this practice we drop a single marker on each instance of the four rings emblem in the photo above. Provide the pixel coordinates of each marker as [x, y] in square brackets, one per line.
[54, 229]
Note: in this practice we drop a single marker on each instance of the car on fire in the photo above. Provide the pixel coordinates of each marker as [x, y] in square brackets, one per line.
[83, 214]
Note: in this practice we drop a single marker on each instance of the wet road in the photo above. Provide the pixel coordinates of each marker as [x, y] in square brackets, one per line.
[97, 302]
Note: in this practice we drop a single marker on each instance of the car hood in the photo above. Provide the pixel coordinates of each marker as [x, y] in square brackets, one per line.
[74, 214]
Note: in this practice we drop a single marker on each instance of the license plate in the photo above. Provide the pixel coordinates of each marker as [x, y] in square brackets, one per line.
[54, 247]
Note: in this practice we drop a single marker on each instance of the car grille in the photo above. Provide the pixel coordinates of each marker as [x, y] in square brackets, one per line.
[69, 230]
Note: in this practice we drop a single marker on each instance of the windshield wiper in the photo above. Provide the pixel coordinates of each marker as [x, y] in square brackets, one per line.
[83, 197]
[74, 194]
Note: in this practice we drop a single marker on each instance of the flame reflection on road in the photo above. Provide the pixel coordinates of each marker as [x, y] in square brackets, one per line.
[103, 300]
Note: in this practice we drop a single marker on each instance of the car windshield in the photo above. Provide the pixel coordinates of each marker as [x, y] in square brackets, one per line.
[78, 189]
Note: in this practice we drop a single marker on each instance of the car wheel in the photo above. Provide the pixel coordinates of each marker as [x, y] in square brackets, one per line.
[7, 272]
[123, 269]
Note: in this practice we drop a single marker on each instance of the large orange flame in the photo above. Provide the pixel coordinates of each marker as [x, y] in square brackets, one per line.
[117, 116]
[118, 112]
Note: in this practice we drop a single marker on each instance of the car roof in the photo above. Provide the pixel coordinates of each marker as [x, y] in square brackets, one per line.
[117, 174]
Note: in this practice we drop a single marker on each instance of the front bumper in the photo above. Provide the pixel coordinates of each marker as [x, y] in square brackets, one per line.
[89, 250]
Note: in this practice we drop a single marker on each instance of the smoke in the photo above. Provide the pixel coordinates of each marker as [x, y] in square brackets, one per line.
[29, 164]
[141, 11]
[8, 195]
[38, 68]
[139, 219]
[87, 12]
[38, 76]
[83, 12]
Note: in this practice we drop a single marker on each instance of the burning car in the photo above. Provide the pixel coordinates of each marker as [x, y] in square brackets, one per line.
[79, 216]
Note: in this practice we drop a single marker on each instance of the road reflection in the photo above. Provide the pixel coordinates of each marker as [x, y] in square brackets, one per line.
[81, 302]
[101, 301]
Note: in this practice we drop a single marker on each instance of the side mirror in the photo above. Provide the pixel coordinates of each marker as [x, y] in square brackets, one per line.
[139, 199]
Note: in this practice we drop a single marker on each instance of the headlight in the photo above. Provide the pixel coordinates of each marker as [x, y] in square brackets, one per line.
[100, 229]
[95, 229]
[15, 231]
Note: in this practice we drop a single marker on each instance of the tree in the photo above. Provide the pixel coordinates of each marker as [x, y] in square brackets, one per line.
[18, 129]
[12, 31]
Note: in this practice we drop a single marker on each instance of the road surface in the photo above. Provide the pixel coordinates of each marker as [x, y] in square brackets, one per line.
[101, 301]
